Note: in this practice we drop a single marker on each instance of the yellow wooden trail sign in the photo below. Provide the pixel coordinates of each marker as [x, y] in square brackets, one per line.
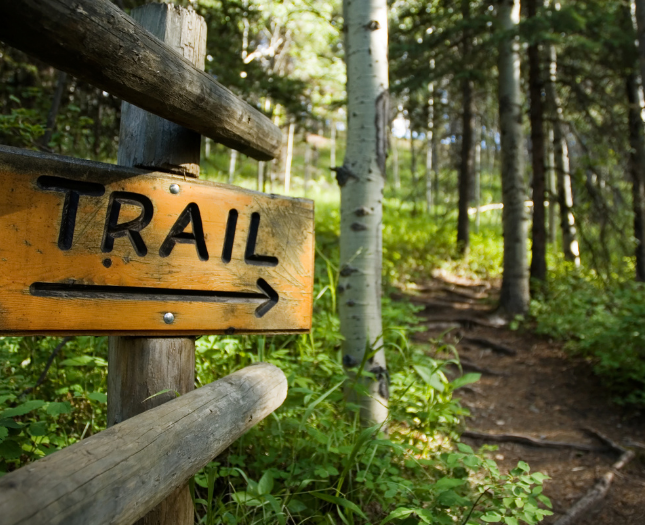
[91, 248]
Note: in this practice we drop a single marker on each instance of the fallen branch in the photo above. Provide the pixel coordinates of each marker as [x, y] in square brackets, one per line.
[42, 377]
[495, 347]
[530, 441]
[596, 493]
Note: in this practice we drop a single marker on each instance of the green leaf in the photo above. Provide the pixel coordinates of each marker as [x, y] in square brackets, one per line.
[265, 485]
[276, 508]
[38, 429]
[84, 360]
[401, 512]
[492, 517]
[450, 498]
[3, 433]
[23, 409]
[510, 521]
[466, 379]
[98, 396]
[10, 450]
[342, 502]
[465, 448]
[446, 483]
[244, 498]
[431, 378]
[56, 408]
[296, 506]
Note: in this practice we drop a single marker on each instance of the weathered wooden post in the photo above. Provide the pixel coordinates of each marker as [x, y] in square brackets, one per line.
[141, 367]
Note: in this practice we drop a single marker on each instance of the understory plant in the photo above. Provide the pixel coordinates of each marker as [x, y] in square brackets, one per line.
[603, 324]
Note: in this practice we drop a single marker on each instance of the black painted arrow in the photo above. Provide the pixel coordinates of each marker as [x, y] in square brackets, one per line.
[140, 293]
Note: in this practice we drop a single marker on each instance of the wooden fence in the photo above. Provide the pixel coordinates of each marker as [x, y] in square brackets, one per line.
[120, 474]
[138, 465]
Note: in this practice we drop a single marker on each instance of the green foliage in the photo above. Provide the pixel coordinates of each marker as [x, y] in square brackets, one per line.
[69, 405]
[602, 324]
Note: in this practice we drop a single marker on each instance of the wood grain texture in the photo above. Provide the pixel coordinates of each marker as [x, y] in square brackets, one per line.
[30, 226]
[140, 368]
[149, 141]
[121, 473]
[95, 41]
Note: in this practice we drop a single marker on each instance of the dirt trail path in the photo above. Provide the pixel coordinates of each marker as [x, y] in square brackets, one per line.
[538, 392]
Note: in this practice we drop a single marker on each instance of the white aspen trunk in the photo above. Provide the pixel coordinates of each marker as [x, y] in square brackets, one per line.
[332, 153]
[514, 297]
[478, 175]
[362, 179]
[639, 8]
[261, 166]
[552, 189]
[429, 143]
[231, 166]
[287, 162]
[307, 166]
[207, 147]
[570, 246]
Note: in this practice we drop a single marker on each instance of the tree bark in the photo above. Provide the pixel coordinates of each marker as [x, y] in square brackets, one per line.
[142, 367]
[61, 81]
[570, 246]
[514, 297]
[478, 176]
[362, 180]
[466, 164]
[332, 152]
[538, 250]
[552, 189]
[636, 168]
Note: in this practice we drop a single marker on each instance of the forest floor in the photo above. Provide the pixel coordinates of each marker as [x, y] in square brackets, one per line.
[530, 386]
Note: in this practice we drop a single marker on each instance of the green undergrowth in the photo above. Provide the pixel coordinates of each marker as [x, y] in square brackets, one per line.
[601, 323]
[310, 461]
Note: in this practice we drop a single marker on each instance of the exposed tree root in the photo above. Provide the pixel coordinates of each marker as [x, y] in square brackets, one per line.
[467, 365]
[530, 441]
[469, 322]
[597, 492]
[495, 347]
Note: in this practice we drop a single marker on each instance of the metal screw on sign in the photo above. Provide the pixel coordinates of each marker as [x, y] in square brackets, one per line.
[168, 318]
[174, 189]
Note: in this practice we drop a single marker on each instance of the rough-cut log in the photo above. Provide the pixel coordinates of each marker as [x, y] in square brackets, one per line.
[530, 441]
[118, 475]
[95, 41]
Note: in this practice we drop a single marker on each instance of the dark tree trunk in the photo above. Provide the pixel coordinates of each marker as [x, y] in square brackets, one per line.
[636, 160]
[538, 251]
[466, 163]
[61, 82]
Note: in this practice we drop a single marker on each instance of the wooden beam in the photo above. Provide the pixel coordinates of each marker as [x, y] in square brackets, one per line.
[97, 42]
[120, 474]
[139, 367]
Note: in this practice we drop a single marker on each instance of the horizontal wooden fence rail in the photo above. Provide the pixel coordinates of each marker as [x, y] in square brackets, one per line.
[120, 474]
[96, 41]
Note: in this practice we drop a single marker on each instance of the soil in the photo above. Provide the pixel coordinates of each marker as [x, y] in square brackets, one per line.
[540, 392]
